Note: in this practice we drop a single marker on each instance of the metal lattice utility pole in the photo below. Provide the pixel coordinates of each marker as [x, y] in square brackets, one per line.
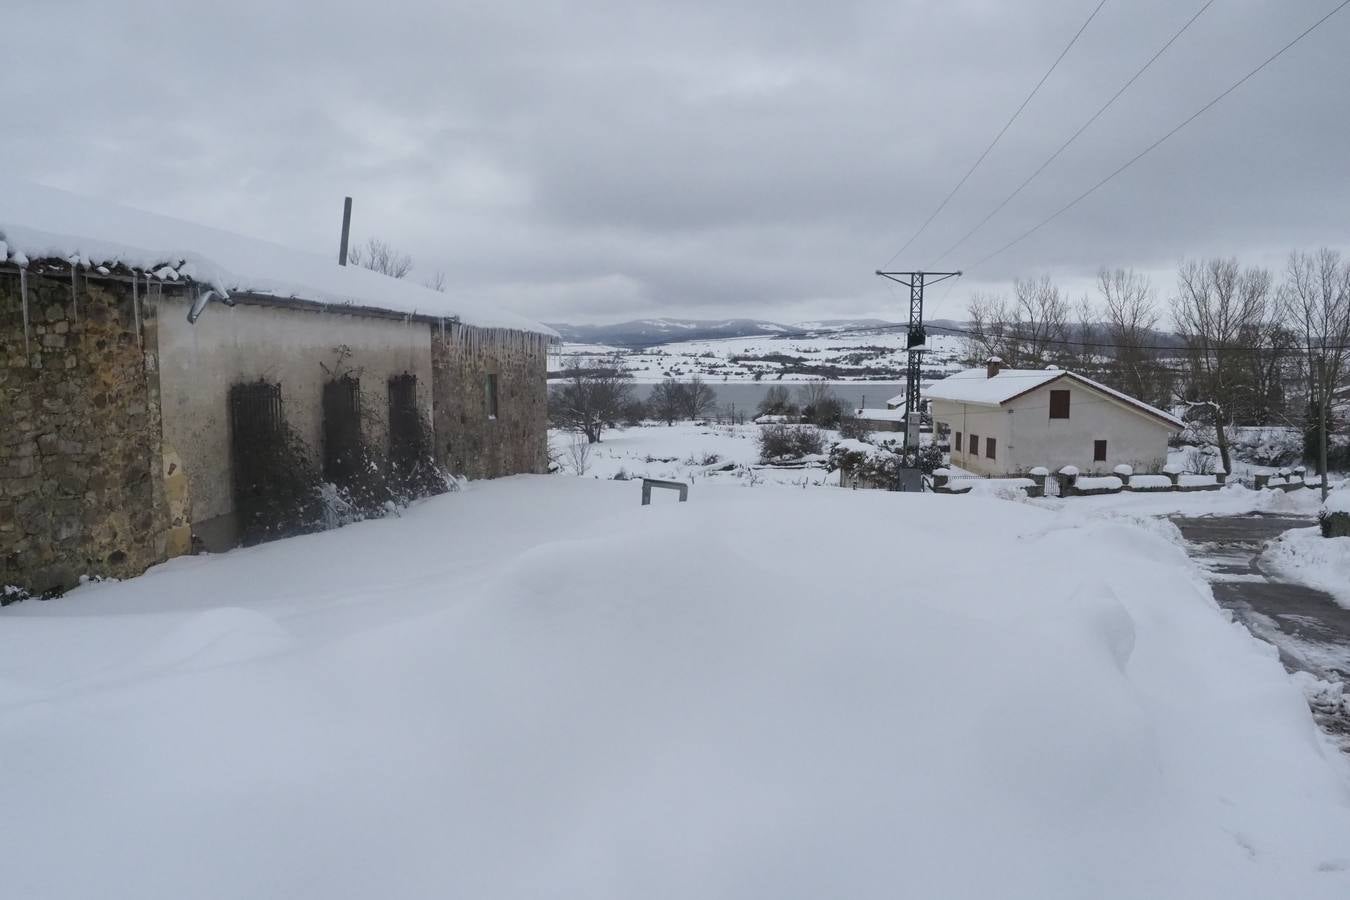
[918, 338]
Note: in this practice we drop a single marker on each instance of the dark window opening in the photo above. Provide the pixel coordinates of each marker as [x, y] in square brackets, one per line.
[405, 425]
[255, 443]
[989, 445]
[490, 395]
[341, 429]
[958, 442]
[1059, 404]
[1099, 451]
[974, 445]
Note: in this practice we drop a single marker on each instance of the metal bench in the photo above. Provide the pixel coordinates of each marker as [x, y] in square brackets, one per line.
[649, 483]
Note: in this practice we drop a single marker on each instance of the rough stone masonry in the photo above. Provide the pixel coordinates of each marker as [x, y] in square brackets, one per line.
[81, 480]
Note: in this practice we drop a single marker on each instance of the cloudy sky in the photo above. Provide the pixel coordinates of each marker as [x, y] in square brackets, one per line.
[599, 161]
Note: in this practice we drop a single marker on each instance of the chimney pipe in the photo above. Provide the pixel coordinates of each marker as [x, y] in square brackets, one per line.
[346, 230]
[992, 366]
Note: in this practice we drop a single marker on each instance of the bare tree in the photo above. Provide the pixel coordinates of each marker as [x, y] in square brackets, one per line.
[777, 402]
[698, 398]
[1315, 299]
[819, 404]
[437, 282]
[989, 318]
[1028, 332]
[380, 256]
[666, 402]
[1041, 324]
[579, 454]
[1215, 305]
[593, 395]
[1131, 323]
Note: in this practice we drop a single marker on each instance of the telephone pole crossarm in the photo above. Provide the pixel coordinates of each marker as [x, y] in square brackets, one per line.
[917, 340]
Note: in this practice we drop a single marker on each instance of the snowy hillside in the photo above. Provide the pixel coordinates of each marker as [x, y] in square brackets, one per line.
[652, 332]
[539, 688]
[877, 355]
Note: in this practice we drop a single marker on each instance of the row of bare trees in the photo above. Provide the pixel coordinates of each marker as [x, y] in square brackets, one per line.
[1245, 346]
[380, 256]
[597, 393]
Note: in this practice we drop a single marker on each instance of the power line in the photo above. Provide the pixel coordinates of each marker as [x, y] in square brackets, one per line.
[1153, 146]
[997, 137]
[1082, 128]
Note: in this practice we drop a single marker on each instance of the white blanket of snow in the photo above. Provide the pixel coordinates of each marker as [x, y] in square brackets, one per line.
[1303, 555]
[859, 355]
[41, 222]
[687, 452]
[539, 688]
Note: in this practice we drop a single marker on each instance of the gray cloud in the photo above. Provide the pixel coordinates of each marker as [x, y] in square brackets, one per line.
[605, 160]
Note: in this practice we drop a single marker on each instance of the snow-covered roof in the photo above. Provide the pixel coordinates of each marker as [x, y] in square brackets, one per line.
[38, 222]
[976, 387]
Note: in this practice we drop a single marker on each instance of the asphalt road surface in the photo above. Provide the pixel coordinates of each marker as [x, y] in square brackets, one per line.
[1309, 629]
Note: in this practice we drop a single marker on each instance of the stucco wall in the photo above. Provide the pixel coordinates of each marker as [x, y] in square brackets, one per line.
[1028, 437]
[296, 348]
[1037, 440]
[81, 487]
[468, 441]
[984, 421]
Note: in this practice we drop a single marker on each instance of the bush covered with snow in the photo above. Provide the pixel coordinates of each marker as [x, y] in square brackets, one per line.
[1334, 516]
[786, 443]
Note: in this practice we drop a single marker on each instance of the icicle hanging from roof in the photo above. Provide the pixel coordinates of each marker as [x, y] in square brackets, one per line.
[136, 306]
[23, 302]
[74, 298]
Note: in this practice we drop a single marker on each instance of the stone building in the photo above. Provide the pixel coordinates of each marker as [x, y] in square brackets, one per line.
[132, 347]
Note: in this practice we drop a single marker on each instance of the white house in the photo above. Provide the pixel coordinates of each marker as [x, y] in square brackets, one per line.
[1005, 421]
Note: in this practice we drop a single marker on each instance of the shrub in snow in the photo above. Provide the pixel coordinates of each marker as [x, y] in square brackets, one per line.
[10, 593]
[782, 443]
[1172, 469]
[1039, 472]
[1334, 517]
[854, 428]
[1069, 471]
[880, 464]
[1123, 470]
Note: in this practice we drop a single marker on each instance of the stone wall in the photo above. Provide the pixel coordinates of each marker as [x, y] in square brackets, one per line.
[102, 473]
[469, 441]
[81, 477]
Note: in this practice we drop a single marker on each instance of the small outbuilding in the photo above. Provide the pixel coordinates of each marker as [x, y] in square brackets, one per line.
[163, 384]
[1007, 421]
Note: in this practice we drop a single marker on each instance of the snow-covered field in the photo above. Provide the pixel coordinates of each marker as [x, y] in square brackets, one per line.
[684, 451]
[876, 355]
[538, 688]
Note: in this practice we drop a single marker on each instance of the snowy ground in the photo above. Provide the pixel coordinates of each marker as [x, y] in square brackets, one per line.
[866, 355]
[685, 452]
[1303, 555]
[537, 687]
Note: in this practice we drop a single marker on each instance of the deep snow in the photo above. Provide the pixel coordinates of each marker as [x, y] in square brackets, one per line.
[536, 687]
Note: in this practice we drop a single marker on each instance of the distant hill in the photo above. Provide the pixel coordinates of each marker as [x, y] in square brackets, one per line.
[651, 332]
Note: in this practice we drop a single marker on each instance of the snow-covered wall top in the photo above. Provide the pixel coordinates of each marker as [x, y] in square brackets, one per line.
[38, 222]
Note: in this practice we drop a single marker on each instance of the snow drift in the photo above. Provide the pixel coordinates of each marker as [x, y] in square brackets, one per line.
[539, 688]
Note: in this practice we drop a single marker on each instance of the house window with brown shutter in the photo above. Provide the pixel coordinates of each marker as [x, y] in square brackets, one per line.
[989, 445]
[974, 445]
[1059, 404]
[958, 442]
[1099, 451]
